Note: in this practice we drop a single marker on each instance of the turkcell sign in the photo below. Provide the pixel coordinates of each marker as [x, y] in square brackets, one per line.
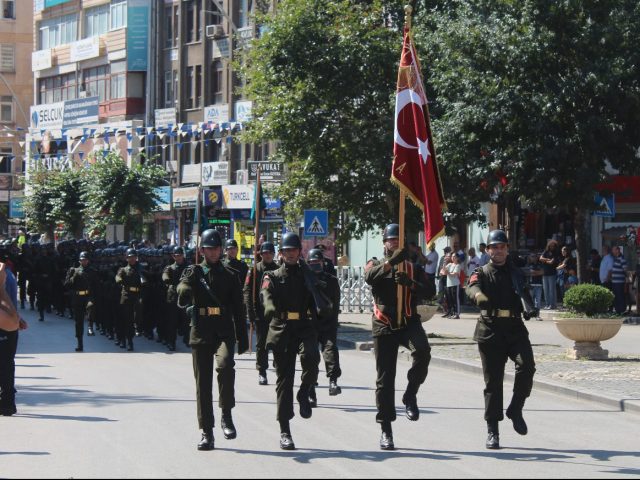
[72, 113]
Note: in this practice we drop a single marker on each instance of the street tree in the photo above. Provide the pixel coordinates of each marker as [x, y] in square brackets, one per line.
[535, 97]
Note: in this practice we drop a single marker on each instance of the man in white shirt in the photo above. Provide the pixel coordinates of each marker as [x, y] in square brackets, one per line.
[606, 265]
[484, 256]
[473, 262]
[431, 265]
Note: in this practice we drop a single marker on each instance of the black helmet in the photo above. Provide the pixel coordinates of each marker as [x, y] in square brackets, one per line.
[84, 255]
[314, 255]
[210, 238]
[131, 252]
[496, 236]
[267, 247]
[178, 250]
[391, 231]
[231, 243]
[290, 240]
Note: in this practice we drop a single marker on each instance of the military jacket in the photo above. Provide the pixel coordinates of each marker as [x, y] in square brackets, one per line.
[385, 296]
[288, 305]
[228, 298]
[496, 282]
[171, 278]
[130, 280]
[238, 268]
[251, 291]
[329, 285]
[82, 282]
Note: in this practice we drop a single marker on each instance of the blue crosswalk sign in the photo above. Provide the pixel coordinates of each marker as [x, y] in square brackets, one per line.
[316, 223]
[606, 206]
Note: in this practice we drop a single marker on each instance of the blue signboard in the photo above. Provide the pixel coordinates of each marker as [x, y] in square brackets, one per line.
[164, 202]
[51, 3]
[16, 207]
[316, 223]
[80, 112]
[137, 35]
[212, 197]
[607, 206]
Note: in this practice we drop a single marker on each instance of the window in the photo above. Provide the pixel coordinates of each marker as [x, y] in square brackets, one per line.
[6, 108]
[189, 87]
[95, 82]
[198, 80]
[58, 88]
[7, 57]
[58, 31]
[8, 9]
[190, 25]
[6, 159]
[170, 88]
[118, 80]
[96, 21]
[168, 27]
[217, 77]
[118, 14]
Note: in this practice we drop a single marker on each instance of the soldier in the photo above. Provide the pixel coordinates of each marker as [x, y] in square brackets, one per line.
[130, 280]
[327, 325]
[217, 322]
[171, 277]
[255, 309]
[44, 273]
[499, 289]
[81, 281]
[231, 261]
[389, 331]
[328, 265]
[25, 268]
[288, 307]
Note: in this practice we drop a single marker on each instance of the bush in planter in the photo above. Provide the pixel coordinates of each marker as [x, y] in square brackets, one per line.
[587, 299]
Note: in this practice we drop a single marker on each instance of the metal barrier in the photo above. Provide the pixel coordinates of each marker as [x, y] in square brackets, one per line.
[355, 294]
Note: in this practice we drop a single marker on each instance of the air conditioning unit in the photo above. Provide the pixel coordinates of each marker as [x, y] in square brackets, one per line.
[242, 177]
[214, 31]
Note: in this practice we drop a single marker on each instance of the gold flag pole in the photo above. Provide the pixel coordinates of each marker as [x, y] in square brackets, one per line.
[257, 212]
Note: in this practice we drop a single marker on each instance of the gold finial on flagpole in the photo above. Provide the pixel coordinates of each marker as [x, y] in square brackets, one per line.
[408, 10]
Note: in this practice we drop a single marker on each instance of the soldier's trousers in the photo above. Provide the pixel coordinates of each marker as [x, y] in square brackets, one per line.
[81, 307]
[262, 354]
[173, 317]
[386, 347]
[22, 284]
[130, 315]
[327, 339]
[285, 360]
[222, 349]
[8, 347]
[499, 339]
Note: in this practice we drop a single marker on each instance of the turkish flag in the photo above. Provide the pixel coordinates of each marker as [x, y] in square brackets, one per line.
[414, 164]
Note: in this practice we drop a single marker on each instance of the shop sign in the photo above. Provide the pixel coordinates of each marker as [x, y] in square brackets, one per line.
[216, 113]
[243, 111]
[237, 196]
[269, 171]
[165, 117]
[164, 201]
[85, 49]
[186, 197]
[40, 60]
[191, 173]
[215, 173]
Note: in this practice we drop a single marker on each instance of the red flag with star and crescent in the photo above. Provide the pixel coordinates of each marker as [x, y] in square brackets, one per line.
[414, 164]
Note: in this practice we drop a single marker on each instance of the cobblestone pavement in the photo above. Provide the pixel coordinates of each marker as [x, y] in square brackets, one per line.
[617, 378]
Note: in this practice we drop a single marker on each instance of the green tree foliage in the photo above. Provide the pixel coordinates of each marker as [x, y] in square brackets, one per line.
[115, 193]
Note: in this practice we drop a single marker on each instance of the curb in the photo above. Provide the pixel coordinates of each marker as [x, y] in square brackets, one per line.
[621, 405]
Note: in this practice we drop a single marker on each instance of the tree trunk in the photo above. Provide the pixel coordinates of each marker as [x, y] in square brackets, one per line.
[579, 226]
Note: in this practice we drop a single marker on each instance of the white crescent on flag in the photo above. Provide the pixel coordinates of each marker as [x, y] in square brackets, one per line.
[404, 98]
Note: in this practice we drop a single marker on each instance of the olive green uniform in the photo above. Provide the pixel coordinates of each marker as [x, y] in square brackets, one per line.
[288, 307]
[501, 334]
[327, 326]
[174, 315]
[216, 323]
[130, 280]
[255, 311]
[386, 340]
[82, 284]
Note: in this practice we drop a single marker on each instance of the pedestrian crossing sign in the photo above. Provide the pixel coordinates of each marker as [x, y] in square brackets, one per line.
[316, 223]
[606, 206]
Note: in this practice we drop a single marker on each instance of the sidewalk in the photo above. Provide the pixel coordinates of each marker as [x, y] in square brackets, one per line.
[614, 382]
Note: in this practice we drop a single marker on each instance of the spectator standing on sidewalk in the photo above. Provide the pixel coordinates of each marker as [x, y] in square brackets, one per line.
[606, 264]
[453, 286]
[535, 281]
[618, 280]
[550, 260]
[442, 278]
[431, 266]
[594, 266]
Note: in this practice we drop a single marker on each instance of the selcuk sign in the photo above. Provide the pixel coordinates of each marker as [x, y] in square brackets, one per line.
[72, 113]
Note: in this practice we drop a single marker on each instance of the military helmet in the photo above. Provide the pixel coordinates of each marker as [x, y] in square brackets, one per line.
[391, 231]
[267, 247]
[315, 255]
[210, 238]
[178, 251]
[84, 255]
[290, 240]
[496, 236]
[230, 243]
[131, 252]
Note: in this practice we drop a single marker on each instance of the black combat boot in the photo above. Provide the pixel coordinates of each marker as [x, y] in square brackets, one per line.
[303, 400]
[493, 437]
[228, 428]
[514, 412]
[262, 378]
[286, 441]
[313, 398]
[386, 438]
[411, 403]
[130, 345]
[334, 389]
[207, 442]
[80, 347]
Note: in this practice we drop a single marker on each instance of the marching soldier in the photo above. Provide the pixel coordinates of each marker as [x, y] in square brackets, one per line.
[389, 331]
[499, 289]
[44, 273]
[231, 261]
[255, 308]
[288, 307]
[327, 325]
[171, 277]
[81, 281]
[217, 322]
[130, 280]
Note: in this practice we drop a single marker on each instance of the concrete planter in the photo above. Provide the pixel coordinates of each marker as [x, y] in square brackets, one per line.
[427, 311]
[587, 333]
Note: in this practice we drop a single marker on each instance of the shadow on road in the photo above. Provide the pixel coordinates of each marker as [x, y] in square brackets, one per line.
[66, 417]
[25, 453]
[602, 455]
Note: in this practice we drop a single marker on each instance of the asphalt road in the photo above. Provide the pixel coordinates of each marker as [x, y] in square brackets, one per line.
[110, 413]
